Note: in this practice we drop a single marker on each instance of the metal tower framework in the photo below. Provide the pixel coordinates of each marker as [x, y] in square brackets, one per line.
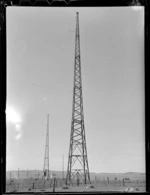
[46, 157]
[78, 168]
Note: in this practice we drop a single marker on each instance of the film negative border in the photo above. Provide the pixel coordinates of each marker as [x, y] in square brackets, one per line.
[73, 3]
[3, 5]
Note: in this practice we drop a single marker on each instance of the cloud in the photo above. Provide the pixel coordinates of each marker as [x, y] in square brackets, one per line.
[18, 136]
[19, 132]
[45, 98]
[18, 127]
[14, 118]
[12, 115]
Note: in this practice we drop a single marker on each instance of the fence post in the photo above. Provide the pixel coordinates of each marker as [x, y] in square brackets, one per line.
[55, 182]
[78, 182]
[108, 180]
[54, 185]
[51, 182]
[44, 183]
[33, 186]
[123, 182]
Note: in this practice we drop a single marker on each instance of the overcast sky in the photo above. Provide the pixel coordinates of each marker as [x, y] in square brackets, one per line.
[40, 64]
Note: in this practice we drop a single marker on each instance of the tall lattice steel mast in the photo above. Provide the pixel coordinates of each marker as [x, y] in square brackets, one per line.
[46, 157]
[78, 168]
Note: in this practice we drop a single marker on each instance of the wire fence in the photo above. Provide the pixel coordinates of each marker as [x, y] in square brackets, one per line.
[32, 184]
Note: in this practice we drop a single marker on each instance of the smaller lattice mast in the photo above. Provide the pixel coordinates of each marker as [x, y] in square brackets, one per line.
[46, 157]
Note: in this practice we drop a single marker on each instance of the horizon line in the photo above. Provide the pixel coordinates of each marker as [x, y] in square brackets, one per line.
[66, 171]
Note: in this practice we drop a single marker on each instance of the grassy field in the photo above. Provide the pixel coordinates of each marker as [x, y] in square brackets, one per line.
[40, 185]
